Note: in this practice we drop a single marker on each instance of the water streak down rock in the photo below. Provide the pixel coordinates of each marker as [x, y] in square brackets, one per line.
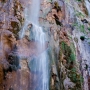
[39, 65]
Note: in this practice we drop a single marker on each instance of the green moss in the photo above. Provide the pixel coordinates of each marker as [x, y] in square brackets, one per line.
[67, 51]
[75, 77]
[82, 28]
[89, 43]
[75, 24]
[73, 47]
[79, 27]
[72, 57]
[79, 14]
[89, 28]
[79, 0]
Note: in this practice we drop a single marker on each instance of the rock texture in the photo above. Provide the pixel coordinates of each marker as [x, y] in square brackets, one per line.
[66, 24]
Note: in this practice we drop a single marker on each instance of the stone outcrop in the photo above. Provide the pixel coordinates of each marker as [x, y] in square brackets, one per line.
[66, 24]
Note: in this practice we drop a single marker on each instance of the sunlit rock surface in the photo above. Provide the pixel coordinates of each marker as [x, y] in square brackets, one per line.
[63, 22]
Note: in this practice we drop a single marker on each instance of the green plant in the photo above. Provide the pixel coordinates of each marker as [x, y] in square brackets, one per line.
[89, 43]
[75, 77]
[73, 74]
[82, 28]
[78, 0]
[79, 14]
[67, 51]
[88, 28]
[72, 57]
[75, 24]
[82, 38]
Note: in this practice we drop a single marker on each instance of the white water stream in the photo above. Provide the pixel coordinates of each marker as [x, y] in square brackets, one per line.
[39, 65]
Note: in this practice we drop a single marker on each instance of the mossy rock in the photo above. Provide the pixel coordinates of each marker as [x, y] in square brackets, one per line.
[15, 27]
[67, 51]
[75, 77]
[88, 28]
[13, 61]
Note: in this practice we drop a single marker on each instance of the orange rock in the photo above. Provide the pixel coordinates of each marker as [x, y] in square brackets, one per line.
[54, 11]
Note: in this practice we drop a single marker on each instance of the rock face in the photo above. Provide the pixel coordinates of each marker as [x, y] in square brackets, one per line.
[66, 24]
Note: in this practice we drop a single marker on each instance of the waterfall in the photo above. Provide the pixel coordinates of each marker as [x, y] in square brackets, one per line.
[39, 66]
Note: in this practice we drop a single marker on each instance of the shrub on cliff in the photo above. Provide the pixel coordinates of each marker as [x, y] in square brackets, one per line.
[82, 38]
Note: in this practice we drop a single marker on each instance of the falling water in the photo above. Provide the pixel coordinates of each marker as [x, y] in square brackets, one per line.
[38, 65]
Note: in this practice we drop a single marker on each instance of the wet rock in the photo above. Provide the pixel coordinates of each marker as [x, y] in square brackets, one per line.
[68, 84]
[52, 13]
[13, 60]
